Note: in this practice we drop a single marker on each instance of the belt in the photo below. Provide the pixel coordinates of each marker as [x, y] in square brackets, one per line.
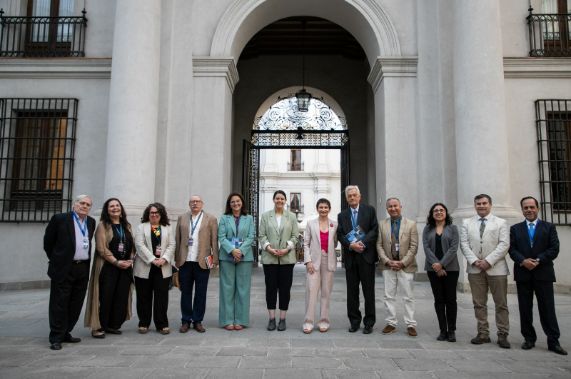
[81, 262]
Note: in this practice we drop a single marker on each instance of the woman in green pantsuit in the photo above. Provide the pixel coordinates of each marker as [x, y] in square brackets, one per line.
[236, 235]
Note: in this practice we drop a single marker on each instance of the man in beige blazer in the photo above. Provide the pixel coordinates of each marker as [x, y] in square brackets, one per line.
[397, 245]
[196, 240]
[485, 240]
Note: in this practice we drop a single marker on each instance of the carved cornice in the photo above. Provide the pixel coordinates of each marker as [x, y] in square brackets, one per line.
[391, 67]
[537, 68]
[216, 67]
[49, 68]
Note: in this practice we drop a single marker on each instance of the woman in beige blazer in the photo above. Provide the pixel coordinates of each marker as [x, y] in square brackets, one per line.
[155, 245]
[278, 236]
[319, 241]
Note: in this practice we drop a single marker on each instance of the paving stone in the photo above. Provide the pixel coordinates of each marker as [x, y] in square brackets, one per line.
[258, 353]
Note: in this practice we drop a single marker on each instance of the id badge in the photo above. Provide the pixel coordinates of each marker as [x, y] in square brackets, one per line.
[237, 242]
[85, 243]
[397, 247]
[158, 251]
[190, 241]
[120, 247]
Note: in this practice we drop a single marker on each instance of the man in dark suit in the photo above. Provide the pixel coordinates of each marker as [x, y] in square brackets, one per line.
[357, 231]
[534, 245]
[67, 243]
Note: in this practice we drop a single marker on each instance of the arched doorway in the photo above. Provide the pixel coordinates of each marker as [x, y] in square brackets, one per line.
[284, 126]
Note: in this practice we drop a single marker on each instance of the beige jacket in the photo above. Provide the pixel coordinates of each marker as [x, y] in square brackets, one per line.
[144, 251]
[408, 241]
[207, 239]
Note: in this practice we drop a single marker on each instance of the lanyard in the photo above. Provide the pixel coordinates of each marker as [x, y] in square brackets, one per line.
[193, 225]
[237, 222]
[121, 232]
[82, 225]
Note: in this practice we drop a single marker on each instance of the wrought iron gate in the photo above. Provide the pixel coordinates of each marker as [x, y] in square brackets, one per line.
[287, 139]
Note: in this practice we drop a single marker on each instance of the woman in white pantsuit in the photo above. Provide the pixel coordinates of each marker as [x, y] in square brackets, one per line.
[319, 241]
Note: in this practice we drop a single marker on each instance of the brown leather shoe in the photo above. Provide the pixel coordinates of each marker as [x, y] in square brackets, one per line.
[388, 329]
[503, 341]
[411, 330]
[199, 328]
[184, 327]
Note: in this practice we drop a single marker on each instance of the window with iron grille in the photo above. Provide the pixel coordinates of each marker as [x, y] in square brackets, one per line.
[553, 121]
[37, 141]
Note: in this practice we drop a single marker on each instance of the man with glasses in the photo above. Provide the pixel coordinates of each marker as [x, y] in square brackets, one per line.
[196, 253]
[67, 243]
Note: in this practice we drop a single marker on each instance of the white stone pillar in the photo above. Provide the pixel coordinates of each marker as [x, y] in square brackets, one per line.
[133, 104]
[211, 148]
[479, 105]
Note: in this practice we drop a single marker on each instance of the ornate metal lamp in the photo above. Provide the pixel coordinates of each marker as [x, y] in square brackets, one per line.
[303, 97]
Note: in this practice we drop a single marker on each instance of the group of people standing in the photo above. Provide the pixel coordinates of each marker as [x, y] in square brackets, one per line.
[484, 240]
[200, 242]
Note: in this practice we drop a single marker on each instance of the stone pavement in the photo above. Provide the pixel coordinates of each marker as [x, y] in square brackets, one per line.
[257, 353]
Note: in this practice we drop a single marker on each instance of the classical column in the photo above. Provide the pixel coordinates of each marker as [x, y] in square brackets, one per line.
[479, 106]
[133, 103]
[211, 147]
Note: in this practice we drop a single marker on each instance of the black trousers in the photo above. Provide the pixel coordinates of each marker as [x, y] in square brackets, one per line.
[278, 280]
[158, 287]
[66, 301]
[546, 306]
[444, 291]
[114, 284]
[192, 276]
[363, 273]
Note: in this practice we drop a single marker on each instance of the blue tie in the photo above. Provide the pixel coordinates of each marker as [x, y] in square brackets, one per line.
[531, 232]
[354, 218]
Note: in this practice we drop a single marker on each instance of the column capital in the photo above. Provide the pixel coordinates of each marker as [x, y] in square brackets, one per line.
[216, 67]
[391, 67]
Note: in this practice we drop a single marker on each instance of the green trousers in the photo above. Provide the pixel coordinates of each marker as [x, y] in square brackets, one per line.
[235, 283]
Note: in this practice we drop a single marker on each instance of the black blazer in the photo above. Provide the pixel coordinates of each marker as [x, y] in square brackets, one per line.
[59, 244]
[367, 220]
[545, 248]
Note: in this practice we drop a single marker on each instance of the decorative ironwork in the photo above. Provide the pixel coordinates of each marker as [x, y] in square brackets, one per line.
[553, 122]
[37, 144]
[287, 139]
[284, 115]
[24, 36]
[549, 34]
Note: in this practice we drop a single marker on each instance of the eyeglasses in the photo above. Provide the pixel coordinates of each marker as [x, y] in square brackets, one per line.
[154, 213]
[195, 201]
[438, 211]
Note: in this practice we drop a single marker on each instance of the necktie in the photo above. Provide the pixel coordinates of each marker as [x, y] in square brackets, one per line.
[354, 218]
[482, 226]
[531, 232]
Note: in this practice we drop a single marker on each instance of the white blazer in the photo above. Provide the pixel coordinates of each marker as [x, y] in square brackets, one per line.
[312, 244]
[493, 246]
[145, 256]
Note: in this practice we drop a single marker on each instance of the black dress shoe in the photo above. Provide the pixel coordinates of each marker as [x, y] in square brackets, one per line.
[353, 328]
[71, 339]
[528, 345]
[282, 325]
[113, 331]
[55, 346]
[558, 350]
[443, 336]
[451, 336]
[367, 330]
[272, 324]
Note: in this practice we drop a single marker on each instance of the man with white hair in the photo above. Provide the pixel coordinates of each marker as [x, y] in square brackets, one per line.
[357, 232]
[67, 243]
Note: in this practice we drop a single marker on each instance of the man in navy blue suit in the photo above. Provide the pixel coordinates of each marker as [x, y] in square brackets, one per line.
[534, 245]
